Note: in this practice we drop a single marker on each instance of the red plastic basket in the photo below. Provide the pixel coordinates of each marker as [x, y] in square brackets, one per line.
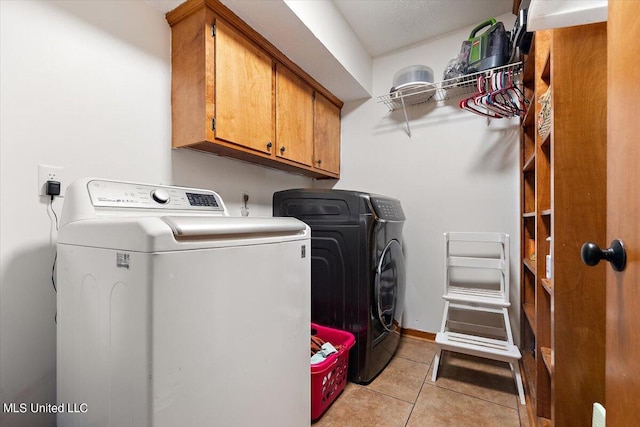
[329, 378]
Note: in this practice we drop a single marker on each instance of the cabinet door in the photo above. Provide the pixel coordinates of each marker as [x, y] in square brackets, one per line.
[243, 91]
[326, 149]
[294, 117]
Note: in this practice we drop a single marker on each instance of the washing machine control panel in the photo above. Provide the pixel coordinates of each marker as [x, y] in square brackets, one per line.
[388, 209]
[114, 194]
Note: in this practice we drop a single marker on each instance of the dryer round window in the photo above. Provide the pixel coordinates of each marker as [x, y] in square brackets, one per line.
[387, 293]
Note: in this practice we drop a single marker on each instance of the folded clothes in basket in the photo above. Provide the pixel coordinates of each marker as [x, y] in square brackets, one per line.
[323, 353]
[320, 349]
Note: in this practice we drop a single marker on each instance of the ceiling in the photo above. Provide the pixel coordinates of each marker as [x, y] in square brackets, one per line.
[387, 25]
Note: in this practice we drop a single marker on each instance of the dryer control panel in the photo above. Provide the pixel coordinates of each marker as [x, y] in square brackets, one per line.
[114, 194]
[387, 208]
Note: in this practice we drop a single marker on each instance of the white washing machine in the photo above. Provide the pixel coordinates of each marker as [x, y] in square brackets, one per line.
[173, 313]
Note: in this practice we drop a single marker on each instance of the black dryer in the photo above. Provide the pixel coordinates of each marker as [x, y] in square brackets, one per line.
[357, 268]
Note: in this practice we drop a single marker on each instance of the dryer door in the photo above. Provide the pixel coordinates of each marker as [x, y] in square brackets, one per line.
[389, 286]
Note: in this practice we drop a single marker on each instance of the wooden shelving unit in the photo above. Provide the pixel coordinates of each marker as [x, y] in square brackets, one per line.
[546, 358]
[563, 205]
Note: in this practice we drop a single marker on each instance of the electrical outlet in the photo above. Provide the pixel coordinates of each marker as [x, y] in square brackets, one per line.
[50, 173]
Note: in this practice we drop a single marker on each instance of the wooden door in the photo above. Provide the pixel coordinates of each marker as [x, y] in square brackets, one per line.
[622, 387]
[294, 117]
[243, 91]
[326, 147]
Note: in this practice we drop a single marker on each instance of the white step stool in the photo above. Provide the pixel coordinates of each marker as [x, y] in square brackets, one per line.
[478, 296]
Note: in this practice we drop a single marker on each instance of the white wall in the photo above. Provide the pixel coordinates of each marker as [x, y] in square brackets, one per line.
[456, 173]
[85, 86]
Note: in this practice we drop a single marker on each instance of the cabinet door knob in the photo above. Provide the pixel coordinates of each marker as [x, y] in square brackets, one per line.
[319, 162]
[591, 254]
[282, 149]
[269, 145]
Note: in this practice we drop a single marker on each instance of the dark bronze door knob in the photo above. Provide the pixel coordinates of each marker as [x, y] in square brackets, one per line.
[591, 254]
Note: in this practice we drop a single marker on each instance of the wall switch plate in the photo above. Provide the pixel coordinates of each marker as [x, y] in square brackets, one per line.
[50, 173]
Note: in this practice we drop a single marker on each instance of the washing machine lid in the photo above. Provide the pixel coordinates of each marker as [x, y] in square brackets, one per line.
[163, 234]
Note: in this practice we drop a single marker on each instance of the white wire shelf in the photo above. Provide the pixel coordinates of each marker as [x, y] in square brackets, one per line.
[440, 91]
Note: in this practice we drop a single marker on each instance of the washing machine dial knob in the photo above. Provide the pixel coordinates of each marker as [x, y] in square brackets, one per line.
[160, 195]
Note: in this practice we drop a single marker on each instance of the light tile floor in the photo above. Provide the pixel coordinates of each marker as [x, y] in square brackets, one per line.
[470, 391]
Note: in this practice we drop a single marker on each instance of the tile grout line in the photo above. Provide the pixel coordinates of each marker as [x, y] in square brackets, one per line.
[479, 398]
[435, 384]
[413, 407]
[475, 397]
[413, 404]
[428, 363]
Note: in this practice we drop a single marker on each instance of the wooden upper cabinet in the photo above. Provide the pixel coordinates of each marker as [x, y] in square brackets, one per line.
[294, 117]
[326, 151]
[235, 94]
[243, 90]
